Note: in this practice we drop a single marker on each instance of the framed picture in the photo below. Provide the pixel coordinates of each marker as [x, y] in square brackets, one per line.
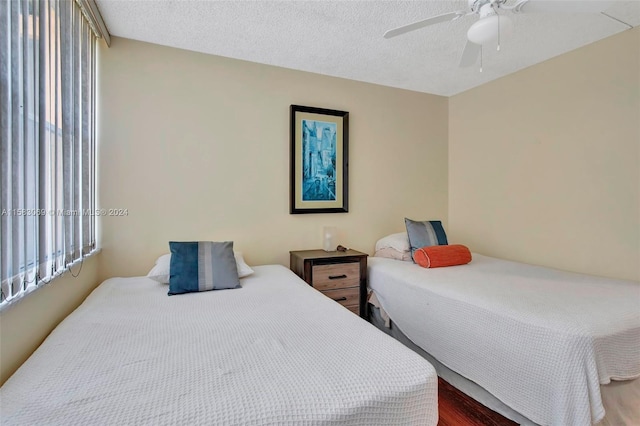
[319, 160]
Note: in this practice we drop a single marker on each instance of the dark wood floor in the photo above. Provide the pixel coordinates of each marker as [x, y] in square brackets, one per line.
[457, 409]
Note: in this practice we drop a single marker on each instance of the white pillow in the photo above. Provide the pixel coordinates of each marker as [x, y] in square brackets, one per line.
[160, 272]
[398, 242]
[392, 253]
[244, 270]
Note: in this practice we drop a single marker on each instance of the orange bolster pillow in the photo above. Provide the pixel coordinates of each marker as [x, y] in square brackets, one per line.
[438, 256]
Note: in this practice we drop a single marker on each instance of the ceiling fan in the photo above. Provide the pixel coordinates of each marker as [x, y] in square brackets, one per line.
[492, 25]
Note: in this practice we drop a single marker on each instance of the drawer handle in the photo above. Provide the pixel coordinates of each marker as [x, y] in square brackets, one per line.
[337, 277]
[340, 299]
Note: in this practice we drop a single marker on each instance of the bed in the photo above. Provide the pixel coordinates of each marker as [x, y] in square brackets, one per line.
[550, 347]
[273, 352]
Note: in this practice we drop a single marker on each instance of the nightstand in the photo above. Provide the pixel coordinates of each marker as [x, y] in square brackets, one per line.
[342, 276]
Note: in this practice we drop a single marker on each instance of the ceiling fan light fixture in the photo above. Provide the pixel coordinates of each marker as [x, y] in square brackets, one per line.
[485, 30]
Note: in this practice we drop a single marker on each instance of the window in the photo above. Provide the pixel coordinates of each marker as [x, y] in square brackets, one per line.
[47, 141]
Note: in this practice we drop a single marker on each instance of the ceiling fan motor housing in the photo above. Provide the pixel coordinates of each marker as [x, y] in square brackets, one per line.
[476, 6]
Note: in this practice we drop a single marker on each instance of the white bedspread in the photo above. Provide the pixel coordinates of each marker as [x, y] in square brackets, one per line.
[275, 352]
[540, 340]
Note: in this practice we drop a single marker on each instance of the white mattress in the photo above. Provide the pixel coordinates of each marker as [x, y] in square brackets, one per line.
[540, 340]
[275, 352]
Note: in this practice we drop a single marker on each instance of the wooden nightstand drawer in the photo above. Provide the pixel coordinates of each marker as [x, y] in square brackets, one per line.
[337, 275]
[354, 308]
[344, 296]
[340, 275]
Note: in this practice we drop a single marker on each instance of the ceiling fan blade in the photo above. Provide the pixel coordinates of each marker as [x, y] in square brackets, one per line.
[469, 54]
[424, 23]
[563, 6]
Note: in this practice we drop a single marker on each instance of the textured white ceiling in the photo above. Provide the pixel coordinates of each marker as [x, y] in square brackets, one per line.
[344, 38]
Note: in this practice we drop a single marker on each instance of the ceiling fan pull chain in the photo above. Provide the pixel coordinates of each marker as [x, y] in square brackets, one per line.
[498, 18]
[498, 30]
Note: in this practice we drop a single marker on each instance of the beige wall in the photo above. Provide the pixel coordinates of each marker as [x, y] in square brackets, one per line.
[544, 164]
[196, 147]
[25, 324]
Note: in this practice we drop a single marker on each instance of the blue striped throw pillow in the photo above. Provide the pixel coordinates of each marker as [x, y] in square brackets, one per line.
[425, 233]
[202, 266]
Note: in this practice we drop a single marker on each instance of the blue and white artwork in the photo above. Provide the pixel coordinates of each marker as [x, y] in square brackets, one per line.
[318, 161]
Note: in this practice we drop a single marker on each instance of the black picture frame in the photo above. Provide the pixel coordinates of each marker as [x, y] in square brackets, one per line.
[319, 167]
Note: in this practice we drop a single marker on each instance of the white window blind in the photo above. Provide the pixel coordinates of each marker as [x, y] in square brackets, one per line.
[47, 132]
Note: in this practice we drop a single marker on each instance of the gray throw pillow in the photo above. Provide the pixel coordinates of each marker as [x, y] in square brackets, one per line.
[202, 266]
